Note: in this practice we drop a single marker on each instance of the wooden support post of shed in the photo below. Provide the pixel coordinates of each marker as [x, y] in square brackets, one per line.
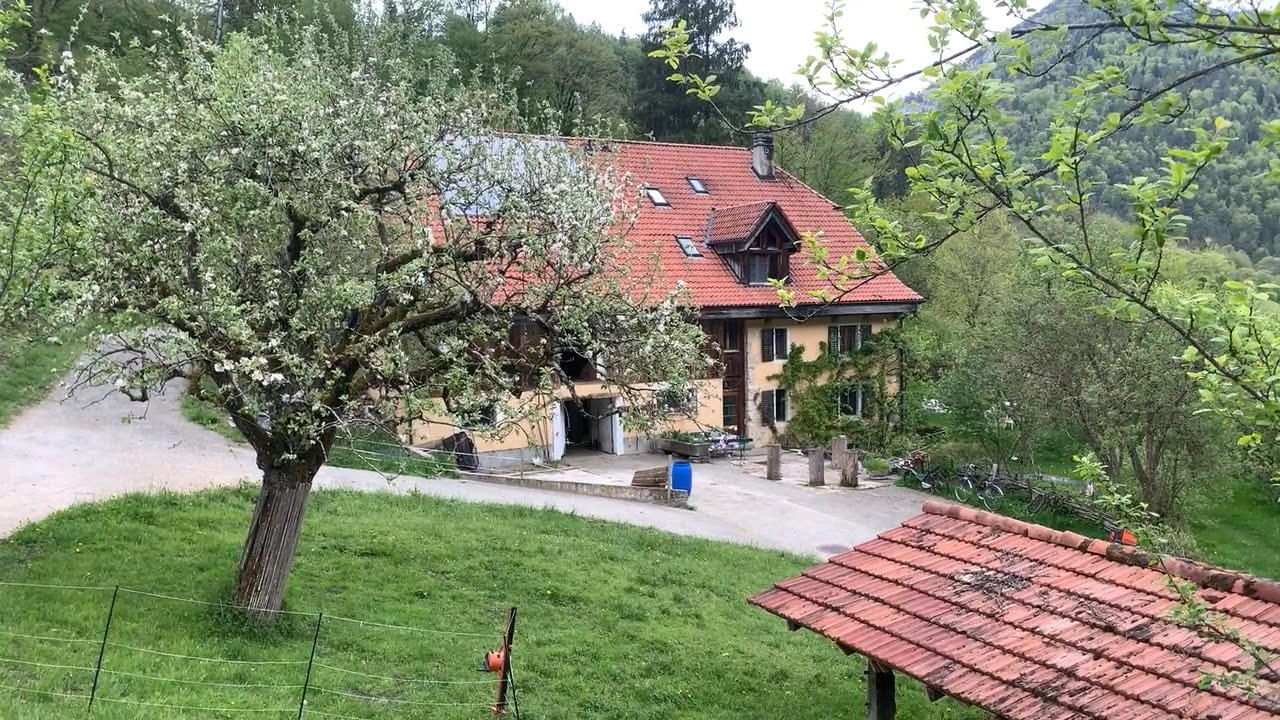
[773, 463]
[881, 703]
[817, 461]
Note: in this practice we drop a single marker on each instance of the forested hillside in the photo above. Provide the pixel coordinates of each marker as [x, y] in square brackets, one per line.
[1235, 206]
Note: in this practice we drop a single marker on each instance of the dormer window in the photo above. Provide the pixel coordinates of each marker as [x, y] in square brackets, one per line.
[766, 265]
[687, 247]
[655, 197]
[756, 240]
[698, 186]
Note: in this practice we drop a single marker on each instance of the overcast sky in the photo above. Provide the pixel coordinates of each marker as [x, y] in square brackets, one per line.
[780, 32]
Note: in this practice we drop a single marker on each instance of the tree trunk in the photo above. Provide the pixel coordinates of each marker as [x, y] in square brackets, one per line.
[273, 539]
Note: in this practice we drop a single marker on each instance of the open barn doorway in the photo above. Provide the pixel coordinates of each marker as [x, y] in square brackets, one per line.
[592, 424]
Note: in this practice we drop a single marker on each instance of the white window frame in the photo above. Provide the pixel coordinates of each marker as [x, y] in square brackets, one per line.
[698, 185]
[858, 390]
[780, 355]
[857, 335]
[656, 197]
[690, 250]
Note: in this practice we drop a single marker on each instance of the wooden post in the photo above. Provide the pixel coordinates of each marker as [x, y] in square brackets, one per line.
[773, 464]
[817, 461]
[850, 469]
[839, 450]
[881, 704]
[504, 679]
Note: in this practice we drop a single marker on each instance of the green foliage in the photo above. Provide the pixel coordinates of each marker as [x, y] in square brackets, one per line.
[980, 144]
[814, 387]
[29, 368]
[575, 72]
[606, 613]
[691, 60]
[1194, 613]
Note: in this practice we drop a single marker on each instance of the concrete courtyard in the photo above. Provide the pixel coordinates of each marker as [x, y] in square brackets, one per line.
[64, 451]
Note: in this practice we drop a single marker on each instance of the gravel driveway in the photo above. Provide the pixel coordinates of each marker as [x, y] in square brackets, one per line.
[61, 452]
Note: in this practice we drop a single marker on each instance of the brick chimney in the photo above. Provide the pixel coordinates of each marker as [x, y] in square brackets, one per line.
[762, 154]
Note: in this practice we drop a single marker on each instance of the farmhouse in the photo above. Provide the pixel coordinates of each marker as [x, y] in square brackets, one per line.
[724, 222]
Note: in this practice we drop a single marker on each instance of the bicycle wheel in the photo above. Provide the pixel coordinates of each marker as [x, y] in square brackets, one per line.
[962, 488]
[992, 495]
[928, 480]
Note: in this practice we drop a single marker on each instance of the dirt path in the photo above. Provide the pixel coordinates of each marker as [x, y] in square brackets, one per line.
[61, 452]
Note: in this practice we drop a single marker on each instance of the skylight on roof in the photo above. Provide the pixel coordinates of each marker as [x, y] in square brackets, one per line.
[686, 245]
[655, 196]
[697, 185]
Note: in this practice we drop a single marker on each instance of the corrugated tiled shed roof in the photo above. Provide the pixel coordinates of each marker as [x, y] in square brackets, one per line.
[730, 181]
[1032, 623]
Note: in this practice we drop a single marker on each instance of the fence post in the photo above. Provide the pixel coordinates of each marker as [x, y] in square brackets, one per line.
[504, 679]
[306, 681]
[102, 649]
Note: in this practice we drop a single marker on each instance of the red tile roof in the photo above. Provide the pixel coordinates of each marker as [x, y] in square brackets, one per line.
[736, 222]
[730, 182]
[1032, 623]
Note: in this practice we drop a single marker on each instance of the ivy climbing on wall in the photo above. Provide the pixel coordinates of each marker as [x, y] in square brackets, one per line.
[814, 389]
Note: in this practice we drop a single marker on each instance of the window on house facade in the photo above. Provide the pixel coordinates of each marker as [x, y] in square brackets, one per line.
[697, 185]
[849, 401]
[729, 412]
[687, 246]
[766, 265]
[655, 196]
[848, 339]
[676, 400]
[774, 406]
[773, 344]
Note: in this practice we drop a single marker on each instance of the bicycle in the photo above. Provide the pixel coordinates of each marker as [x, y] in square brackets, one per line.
[916, 467]
[986, 488]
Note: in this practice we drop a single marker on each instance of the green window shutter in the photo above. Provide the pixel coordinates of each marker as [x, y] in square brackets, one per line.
[864, 331]
[766, 345]
[833, 339]
[766, 407]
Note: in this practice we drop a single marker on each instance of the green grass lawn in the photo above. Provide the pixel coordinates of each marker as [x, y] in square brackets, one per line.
[614, 621]
[1237, 525]
[28, 368]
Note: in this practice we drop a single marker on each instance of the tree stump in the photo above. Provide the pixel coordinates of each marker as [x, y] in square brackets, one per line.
[773, 463]
[839, 451]
[850, 470]
[817, 463]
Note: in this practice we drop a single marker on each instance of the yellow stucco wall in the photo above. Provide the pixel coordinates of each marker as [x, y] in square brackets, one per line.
[809, 335]
[535, 434]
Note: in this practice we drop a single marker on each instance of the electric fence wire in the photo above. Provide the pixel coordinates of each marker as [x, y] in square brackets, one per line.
[197, 658]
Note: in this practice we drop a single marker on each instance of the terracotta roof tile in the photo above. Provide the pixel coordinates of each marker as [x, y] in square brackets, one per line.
[1032, 623]
[741, 196]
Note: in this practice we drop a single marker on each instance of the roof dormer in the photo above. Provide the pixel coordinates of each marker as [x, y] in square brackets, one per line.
[755, 239]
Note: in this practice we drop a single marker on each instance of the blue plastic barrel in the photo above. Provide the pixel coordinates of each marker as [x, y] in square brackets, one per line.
[682, 476]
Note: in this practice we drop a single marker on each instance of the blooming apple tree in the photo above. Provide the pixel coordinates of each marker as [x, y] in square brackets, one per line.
[328, 235]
